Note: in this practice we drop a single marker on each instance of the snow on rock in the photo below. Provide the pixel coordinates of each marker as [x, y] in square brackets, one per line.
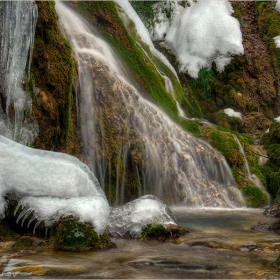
[50, 184]
[277, 119]
[201, 34]
[230, 112]
[277, 41]
[134, 216]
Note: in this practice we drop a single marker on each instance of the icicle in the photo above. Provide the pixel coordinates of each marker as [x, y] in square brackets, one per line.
[26, 215]
[31, 220]
[36, 225]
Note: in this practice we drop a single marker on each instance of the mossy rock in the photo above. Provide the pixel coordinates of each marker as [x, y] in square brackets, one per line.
[28, 242]
[254, 196]
[225, 143]
[69, 234]
[226, 121]
[162, 233]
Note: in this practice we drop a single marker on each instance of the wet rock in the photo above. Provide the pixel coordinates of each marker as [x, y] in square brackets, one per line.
[261, 226]
[254, 123]
[69, 234]
[273, 210]
[249, 247]
[27, 242]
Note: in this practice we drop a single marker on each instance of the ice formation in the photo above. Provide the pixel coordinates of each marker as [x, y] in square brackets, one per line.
[134, 216]
[200, 34]
[277, 119]
[230, 112]
[18, 20]
[50, 184]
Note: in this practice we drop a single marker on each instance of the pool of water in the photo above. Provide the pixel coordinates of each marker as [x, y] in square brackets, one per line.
[220, 245]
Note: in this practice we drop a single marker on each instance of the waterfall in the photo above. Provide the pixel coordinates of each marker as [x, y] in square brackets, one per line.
[18, 21]
[128, 136]
[246, 166]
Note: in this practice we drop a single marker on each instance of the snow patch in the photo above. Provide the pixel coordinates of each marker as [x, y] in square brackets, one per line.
[50, 184]
[232, 113]
[200, 34]
[277, 119]
[135, 215]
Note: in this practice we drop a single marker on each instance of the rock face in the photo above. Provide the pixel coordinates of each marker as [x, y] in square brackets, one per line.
[261, 75]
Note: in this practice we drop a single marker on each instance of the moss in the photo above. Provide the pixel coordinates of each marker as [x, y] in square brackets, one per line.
[53, 69]
[69, 234]
[222, 119]
[141, 71]
[264, 174]
[24, 242]
[225, 143]
[254, 197]
[162, 233]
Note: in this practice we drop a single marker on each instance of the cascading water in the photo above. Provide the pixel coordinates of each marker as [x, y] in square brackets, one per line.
[127, 136]
[18, 21]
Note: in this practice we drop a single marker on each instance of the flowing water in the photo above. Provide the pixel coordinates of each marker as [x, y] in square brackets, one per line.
[213, 249]
[115, 119]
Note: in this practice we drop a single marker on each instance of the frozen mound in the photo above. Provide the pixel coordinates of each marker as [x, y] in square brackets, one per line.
[202, 34]
[132, 217]
[50, 185]
[231, 113]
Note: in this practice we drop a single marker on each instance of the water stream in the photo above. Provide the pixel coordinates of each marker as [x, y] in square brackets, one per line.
[164, 159]
[213, 249]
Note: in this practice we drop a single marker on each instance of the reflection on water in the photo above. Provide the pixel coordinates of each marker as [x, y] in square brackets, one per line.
[212, 249]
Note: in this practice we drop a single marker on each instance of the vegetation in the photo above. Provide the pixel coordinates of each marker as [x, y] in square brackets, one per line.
[69, 234]
[254, 196]
[53, 68]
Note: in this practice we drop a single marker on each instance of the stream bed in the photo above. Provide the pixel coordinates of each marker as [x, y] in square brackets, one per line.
[220, 245]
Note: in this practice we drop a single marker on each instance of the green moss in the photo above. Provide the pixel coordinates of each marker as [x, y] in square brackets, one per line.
[24, 242]
[153, 231]
[141, 70]
[254, 197]
[225, 143]
[205, 81]
[264, 173]
[53, 68]
[269, 26]
[69, 234]
[277, 262]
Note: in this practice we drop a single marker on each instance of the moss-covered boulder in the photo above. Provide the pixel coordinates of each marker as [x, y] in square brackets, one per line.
[29, 242]
[69, 234]
[254, 196]
[162, 233]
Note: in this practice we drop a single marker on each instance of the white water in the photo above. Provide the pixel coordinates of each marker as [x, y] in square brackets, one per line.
[18, 23]
[173, 164]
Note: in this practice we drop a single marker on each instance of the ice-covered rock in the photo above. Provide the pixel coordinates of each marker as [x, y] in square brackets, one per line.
[230, 112]
[132, 217]
[277, 119]
[200, 34]
[51, 185]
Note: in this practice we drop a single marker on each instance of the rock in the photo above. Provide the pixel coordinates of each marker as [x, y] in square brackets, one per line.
[27, 242]
[161, 233]
[249, 247]
[69, 234]
[254, 123]
[273, 210]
